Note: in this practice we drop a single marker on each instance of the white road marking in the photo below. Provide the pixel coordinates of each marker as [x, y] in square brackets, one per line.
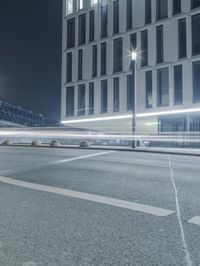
[81, 157]
[90, 197]
[187, 254]
[25, 168]
[195, 220]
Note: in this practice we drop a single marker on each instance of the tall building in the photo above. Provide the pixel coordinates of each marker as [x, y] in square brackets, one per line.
[97, 81]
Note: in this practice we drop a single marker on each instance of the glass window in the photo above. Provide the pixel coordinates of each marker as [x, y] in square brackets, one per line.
[130, 94]
[196, 82]
[159, 41]
[80, 64]
[81, 99]
[195, 34]
[144, 48]
[182, 38]
[195, 3]
[104, 96]
[103, 59]
[147, 11]
[71, 33]
[69, 7]
[129, 19]
[149, 89]
[94, 2]
[91, 98]
[176, 7]
[161, 9]
[116, 17]
[163, 87]
[81, 29]
[104, 21]
[133, 41]
[70, 101]
[94, 60]
[91, 38]
[69, 67]
[117, 55]
[178, 85]
[116, 95]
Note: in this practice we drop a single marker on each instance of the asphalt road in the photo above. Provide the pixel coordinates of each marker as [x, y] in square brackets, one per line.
[135, 209]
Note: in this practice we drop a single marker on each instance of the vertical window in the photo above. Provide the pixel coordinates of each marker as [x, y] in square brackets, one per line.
[149, 89]
[81, 99]
[116, 95]
[104, 96]
[130, 88]
[80, 4]
[91, 38]
[117, 55]
[94, 2]
[195, 34]
[147, 11]
[129, 19]
[80, 64]
[104, 21]
[161, 9]
[91, 98]
[176, 7]
[71, 33]
[69, 67]
[116, 17]
[94, 60]
[163, 87]
[133, 41]
[103, 59]
[195, 3]
[159, 42]
[196, 82]
[144, 48]
[69, 7]
[182, 43]
[178, 85]
[70, 101]
[81, 29]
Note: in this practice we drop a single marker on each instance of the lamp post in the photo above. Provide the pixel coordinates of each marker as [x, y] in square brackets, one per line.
[134, 96]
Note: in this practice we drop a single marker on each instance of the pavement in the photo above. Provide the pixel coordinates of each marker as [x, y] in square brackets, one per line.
[74, 207]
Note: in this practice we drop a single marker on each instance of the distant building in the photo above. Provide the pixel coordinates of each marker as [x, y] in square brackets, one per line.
[97, 84]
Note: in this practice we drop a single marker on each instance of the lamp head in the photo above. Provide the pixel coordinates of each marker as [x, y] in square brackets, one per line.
[134, 55]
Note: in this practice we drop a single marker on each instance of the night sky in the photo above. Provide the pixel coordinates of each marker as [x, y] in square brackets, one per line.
[30, 54]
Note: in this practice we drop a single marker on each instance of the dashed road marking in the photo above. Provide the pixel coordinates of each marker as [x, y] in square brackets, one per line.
[195, 220]
[90, 197]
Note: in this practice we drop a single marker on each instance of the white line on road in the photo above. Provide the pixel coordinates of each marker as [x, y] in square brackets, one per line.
[187, 254]
[81, 157]
[195, 220]
[90, 197]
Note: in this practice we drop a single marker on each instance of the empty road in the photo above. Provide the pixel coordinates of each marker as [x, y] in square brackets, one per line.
[75, 207]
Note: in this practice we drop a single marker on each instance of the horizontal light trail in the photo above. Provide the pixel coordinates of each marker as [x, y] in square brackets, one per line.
[98, 136]
[90, 197]
[120, 117]
[195, 220]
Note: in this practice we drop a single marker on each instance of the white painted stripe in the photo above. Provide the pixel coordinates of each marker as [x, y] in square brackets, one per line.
[195, 220]
[82, 157]
[187, 254]
[90, 197]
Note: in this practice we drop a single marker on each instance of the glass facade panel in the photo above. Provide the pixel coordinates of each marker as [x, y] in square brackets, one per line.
[116, 17]
[163, 87]
[116, 95]
[91, 98]
[196, 82]
[71, 33]
[159, 42]
[161, 9]
[149, 102]
[129, 14]
[195, 34]
[144, 48]
[147, 11]
[81, 29]
[81, 99]
[117, 55]
[182, 41]
[178, 85]
[104, 21]
[104, 96]
[69, 67]
[70, 101]
[103, 58]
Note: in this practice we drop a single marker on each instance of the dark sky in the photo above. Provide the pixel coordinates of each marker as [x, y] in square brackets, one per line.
[30, 53]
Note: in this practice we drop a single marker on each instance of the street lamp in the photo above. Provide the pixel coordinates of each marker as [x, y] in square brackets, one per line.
[134, 78]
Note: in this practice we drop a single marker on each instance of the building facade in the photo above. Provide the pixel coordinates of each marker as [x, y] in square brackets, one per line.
[97, 82]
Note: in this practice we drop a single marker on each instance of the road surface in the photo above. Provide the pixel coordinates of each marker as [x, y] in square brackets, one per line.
[74, 207]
